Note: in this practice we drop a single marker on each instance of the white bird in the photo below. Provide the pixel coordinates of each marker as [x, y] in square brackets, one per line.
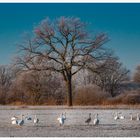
[138, 118]
[14, 120]
[121, 117]
[96, 120]
[89, 119]
[21, 121]
[61, 119]
[36, 120]
[131, 117]
[116, 117]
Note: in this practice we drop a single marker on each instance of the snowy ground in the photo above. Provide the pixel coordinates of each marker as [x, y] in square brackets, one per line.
[74, 125]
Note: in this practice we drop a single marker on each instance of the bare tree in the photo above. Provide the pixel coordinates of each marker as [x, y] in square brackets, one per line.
[137, 75]
[110, 77]
[64, 46]
[36, 87]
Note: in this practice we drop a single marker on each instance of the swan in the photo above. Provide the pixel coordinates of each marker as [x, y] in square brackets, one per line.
[36, 120]
[61, 119]
[96, 120]
[21, 121]
[89, 119]
[14, 119]
[121, 117]
[116, 117]
[138, 118]
[131, 117]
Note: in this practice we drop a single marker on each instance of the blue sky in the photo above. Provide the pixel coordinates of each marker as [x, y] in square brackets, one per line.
[120, 21]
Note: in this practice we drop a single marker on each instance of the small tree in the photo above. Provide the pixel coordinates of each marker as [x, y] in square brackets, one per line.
[110, 77]
[63, 46]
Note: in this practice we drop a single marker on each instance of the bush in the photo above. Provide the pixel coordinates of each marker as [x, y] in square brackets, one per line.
[113, 100]
[132, 97]
[89, 95]
[128, 97]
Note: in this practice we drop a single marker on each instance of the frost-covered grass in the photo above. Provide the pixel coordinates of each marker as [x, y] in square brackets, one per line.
[74, 125]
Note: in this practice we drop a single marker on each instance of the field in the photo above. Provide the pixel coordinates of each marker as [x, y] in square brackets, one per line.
[74, 125]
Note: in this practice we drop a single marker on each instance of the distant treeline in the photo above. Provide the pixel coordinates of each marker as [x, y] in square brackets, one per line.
[48, 88]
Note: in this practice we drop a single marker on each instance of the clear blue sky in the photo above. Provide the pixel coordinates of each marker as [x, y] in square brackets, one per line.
[120, 21]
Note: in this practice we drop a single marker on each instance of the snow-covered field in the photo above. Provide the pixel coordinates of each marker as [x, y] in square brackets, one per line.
[74, 125]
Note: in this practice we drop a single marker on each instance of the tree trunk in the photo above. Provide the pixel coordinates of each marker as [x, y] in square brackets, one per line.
[69, 91]
[112, 92]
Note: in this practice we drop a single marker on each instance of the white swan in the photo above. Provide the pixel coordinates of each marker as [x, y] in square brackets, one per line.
[14, 120]
[131, 116]
[21, 121]
[96, 120]
[116, 117]
[61, 119]
[36, 120]
[138, 118]
[121, 117]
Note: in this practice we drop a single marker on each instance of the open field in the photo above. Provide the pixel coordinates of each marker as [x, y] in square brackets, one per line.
[75, 123]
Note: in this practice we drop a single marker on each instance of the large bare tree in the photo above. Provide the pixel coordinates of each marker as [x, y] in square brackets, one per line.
[65, 46]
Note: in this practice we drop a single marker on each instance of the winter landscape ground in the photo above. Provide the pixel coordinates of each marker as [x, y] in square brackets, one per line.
[74, 125]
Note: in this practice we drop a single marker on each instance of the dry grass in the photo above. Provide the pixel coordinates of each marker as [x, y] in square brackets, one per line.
[92, 95]
[89, 95]
[17, 103]
[128, 97]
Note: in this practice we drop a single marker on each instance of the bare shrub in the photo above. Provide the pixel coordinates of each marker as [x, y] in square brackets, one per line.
[89, 95]
[113, 100]
[37, 88]
[132, 97]
[128, 97]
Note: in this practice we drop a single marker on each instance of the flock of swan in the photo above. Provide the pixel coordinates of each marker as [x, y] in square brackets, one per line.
[116, 116]
[15, 120]
[132, 117]
[62, 118]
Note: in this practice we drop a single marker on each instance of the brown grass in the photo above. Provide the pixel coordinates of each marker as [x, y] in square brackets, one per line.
[89, 95]
[92, 95]
[128, 97]
[17, 103]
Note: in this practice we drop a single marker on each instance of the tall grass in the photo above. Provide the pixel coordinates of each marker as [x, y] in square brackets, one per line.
[93, 95]
[89, 95]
